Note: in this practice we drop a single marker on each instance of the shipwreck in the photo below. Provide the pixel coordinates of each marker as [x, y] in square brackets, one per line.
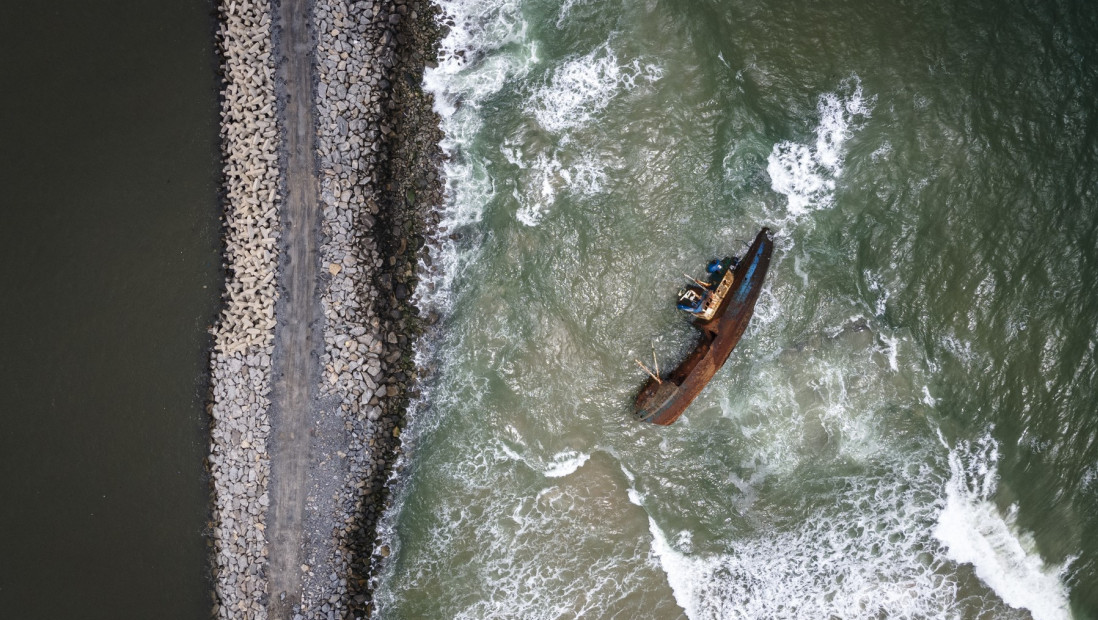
[721, 308]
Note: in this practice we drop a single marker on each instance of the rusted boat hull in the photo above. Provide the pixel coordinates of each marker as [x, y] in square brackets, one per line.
[662, 402]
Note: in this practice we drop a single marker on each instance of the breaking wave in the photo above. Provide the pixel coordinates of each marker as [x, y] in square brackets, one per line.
[975, 532]
[805, 173]
[579, 89]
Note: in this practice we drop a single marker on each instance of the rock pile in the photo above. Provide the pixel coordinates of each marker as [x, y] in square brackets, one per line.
[378, 158]
[372, 225]
[241, 361]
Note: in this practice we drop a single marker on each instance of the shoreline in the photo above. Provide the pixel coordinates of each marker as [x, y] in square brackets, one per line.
[377, 164]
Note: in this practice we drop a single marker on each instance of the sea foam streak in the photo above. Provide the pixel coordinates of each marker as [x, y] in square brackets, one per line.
[584, 86]
[806, 174]
[973, 530]
[501, 537]
[486, 48]
[473, 67]
[546, 177]
[571, 98]
[863, 560]
[566, 10]
[565, 463]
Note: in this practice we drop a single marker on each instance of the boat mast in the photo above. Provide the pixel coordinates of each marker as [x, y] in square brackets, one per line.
[650, 373]
[696, 281]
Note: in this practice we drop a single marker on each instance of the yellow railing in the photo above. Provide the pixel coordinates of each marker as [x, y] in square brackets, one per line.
[714, 300]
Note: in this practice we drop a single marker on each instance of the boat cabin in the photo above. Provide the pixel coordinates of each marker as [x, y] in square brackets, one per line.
[692, 298]
[702, 299]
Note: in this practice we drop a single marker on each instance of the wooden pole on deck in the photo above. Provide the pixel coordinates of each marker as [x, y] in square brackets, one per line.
[650, 373]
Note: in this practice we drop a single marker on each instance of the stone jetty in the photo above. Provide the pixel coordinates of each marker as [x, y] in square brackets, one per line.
[378, 159]
[376, 176]
[238, 463]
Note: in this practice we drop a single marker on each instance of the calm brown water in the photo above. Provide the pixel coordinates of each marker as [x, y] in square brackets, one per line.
[108, 278]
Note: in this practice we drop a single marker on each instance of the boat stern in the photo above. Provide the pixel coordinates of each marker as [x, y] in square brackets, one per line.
[652, 402]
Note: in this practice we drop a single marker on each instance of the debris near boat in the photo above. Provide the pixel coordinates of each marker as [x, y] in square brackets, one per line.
[722, 308]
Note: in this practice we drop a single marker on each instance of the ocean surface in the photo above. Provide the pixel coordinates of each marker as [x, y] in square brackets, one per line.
[909, 428]
[109, 279]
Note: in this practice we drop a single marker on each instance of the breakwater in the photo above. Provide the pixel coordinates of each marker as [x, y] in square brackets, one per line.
[378, 158]
[376, 175]
[239, 464]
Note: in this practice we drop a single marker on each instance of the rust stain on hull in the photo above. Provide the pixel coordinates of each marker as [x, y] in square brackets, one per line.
[662, 402]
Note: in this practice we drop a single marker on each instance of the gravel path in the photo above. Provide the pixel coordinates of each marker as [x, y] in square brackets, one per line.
[297, 343]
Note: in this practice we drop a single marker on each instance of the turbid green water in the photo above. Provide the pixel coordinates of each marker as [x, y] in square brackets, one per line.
[108, 281]
[908, 428]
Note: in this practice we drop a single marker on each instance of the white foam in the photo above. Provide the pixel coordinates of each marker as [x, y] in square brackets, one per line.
[975, 532]
[486, 49]
[470, 63]
[509, 453]
[566, 10]
[685, 575]
[540, 190]
[797, 269]
[958, 347]
[561, 464]
[565, 463]
[864, 557]
[491, 548]
[873, 282]
[928, 400]
[1089, 479]
[882, 152]
[580, 88]
[794, 171]
[569, 98]
[892, 348]
[806, 174]
[546, 177]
